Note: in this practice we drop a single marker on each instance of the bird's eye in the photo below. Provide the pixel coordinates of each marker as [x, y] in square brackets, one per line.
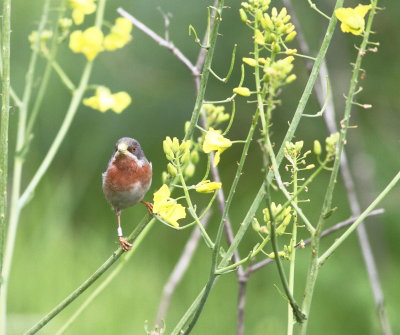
[116, 148]
[132, 149]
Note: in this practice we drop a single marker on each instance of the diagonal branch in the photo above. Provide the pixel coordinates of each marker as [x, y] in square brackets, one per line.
[161, 41]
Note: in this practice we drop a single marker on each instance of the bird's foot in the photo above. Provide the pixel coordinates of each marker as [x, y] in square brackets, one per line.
[125, 245]
[148, 205]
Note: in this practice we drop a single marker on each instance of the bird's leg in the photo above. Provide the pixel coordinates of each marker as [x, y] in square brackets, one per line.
[148, 205]
[125, 245]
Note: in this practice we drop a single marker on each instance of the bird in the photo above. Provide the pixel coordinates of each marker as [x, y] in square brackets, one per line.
[127, 180]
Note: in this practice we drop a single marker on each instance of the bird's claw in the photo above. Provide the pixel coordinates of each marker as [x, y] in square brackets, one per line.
[125, 245]
[149, 206]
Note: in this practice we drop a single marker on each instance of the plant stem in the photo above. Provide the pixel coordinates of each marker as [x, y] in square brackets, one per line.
[314, 266]
[88, 282]
[292, 246]
[206, 70]
[213, 274]
[17, 174]
[124, 259]
[322, 259]
[207, 238]
[46, 76]
[5, 113]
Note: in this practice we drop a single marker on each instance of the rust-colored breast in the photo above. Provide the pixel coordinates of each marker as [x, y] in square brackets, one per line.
[124, 172]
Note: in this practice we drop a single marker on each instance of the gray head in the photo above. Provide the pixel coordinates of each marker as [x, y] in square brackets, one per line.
[130, 147]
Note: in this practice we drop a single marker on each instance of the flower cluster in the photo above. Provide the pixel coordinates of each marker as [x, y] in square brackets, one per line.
[296, 158]
[281, 218]
[183, 155]
[215, 115]
[167, 208]
[271, 31]
[352, 19]
[103, 100]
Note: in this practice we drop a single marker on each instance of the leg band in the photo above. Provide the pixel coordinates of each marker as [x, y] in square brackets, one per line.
[119, 230]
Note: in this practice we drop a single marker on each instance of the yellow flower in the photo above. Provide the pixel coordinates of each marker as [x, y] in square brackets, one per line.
[352, 19]
[120, 34]
[104, 100]
[214, 141]
[80, 8]
[207, 186]
[88, 42]
[166, 207]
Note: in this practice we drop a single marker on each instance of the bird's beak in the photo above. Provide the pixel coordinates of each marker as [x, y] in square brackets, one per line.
[122, 149]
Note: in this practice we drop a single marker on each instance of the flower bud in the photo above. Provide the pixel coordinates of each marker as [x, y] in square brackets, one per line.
[167, 143]
[171, 169]
[290, 37]
[189, 170]
[165, 177]
[291, 78]
[259, 37]
[243, 15]
[194, 157]
[249, 61]
[275, 47]
[244, 91]
[175, 145]
[317, 148]
[185, 157]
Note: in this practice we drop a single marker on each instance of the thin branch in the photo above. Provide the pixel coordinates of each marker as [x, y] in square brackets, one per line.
[161, 41]
[336, 227]
[125, 258]
[88, 282]
[180, 269]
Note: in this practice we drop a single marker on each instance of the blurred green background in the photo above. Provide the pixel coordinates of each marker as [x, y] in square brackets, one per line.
[68, 229]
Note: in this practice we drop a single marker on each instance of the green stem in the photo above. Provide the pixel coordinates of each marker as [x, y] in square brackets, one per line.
[125, 258]
[206, 70]
[90, 281]
[5, 113]
[213, 274]
[293, 242]
[314, 266]
[207, 238]
[17, 174]
[322, 259]
[46, 76]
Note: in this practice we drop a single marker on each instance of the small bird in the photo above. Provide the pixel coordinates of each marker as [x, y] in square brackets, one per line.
[127, 180]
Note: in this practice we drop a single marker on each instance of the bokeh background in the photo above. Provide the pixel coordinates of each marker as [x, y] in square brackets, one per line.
[68, 229]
